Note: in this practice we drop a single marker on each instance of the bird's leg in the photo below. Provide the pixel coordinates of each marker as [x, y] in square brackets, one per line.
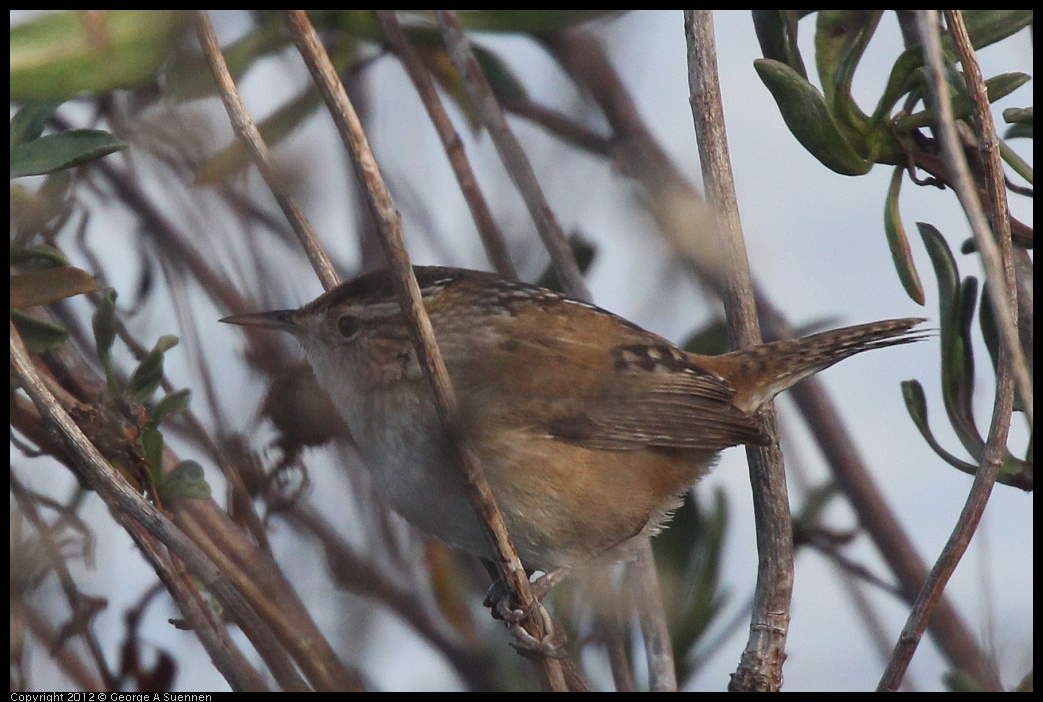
[500, 603]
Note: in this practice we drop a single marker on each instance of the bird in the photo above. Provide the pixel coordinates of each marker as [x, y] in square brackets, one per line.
[588, 428]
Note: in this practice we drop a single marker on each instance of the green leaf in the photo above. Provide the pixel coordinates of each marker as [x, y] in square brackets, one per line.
[275, 127]
[43, 255]
[806, 115]
[811, 516]
[958, 368]
[582, 250]
[1013, 472]
[841, 37]
[902, 79]
[29, 121]
[505, 85]
[961, 681]
[1014, 160]
[1019, 131]
[987, 27]
[954, 299]
[1021, 119]
[186, 481]
[898, 241]
[60, 55]
[58, 151]
[988, 328]
[39, 335]
[149, 373]
[777, 35]
[104, 324]
[916, 404]
[172, 403]
[1002, 85]
[945, 269]
[501, 78]
[987, 322]
[710, 340]
[44, 207]
[152, 443]
[1018, 115]
[689, 556]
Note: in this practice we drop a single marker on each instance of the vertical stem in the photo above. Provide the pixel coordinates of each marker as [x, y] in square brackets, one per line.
[760, 666]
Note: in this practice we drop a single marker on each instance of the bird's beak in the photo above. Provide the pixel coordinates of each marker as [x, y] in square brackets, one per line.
[281, 320]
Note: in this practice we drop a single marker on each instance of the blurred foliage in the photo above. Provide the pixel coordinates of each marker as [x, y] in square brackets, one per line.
[688, 555]
[185, 479]
[41, 275]
[582, 250]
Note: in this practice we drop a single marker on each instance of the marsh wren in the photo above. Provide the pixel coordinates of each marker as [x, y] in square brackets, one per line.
[588, 428]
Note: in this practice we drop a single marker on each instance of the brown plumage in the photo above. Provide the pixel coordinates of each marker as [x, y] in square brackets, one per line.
[587, 426]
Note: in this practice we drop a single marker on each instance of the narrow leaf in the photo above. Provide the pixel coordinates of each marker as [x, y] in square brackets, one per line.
[172, 403]
[898, 241]
[1013, 159]
[987, 27]
[104, 324]
[39, 335]
[958, 368]
[152, 443]
[45, 254]
[916, 404]
[275, 128]
[149, 373]
[65, 150]
[841, 37]
[777, 35]
[29, 121]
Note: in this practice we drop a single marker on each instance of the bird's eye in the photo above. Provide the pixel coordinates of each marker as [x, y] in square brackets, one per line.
[348, 326]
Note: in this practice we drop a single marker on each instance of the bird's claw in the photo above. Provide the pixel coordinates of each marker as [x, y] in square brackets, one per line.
[502, 606]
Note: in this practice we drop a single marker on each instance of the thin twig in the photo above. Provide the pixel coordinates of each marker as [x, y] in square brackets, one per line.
[421, 331]
[662, 671]
[495, 248]
[247, 131]
[992, 459]
[760, 666]
[512, 155]
[562, 126]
